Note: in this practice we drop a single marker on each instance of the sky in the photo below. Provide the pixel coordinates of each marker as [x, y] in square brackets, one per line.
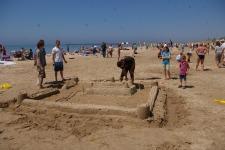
[83, 21]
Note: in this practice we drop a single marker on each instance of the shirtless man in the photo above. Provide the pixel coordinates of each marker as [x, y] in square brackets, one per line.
[127, 64]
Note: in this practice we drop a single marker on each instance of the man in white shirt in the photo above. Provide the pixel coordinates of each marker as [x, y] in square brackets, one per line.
[58, 58]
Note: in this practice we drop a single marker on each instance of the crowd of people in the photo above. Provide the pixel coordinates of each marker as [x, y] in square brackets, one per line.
[184, 59]
[127, 63]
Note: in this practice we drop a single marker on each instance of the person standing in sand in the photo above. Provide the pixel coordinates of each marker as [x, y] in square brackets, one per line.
[184, 67]
[223, 53]
[110, 51]
[1, 51]
[189, 53]
[94, 50]
[201, 51]
[166, 55]
[58, 58]
[104, 47]
[134, 48]
[218, 53]
[119, 50]
[40, 62]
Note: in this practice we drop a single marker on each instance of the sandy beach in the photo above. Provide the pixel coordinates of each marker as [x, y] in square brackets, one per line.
[194, 120]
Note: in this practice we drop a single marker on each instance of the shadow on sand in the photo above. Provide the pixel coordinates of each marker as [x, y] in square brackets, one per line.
[207, 69]
[174, 78]
[189, 86]
[139, 86]
[151, 78]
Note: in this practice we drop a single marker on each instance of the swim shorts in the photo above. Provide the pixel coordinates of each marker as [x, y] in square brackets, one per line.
[183, 77]
[58, 66]
[201, 57]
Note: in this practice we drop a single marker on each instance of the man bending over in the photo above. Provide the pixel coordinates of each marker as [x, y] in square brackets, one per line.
[127, 64]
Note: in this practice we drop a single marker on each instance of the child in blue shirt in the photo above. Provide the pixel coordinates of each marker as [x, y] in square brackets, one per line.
[166, 55]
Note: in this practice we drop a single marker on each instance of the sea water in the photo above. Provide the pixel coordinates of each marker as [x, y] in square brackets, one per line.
[48, 48]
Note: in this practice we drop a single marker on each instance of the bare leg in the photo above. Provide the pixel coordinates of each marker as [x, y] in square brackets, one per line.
[132, 77]
[56, 76]
[198, 61]
[40, 82]
[61, 73]
[168, 72]
[202, 64]
[118, 54]
[165, 72]
[131, 71]
[189, 58]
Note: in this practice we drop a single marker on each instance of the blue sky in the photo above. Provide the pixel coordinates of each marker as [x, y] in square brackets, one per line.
[81, 21]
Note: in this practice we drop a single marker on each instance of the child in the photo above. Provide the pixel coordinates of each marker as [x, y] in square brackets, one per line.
[184, 67]
[179, 57]
[166, 55]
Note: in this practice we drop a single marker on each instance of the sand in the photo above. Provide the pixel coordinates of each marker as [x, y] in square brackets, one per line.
[194, 120]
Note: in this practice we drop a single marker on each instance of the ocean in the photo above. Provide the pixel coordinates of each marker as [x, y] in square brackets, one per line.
[48, 48]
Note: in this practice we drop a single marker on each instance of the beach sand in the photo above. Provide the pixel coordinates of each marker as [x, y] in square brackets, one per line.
[195, 121]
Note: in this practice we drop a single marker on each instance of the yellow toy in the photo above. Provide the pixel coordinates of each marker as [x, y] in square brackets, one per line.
[5, 86]
[221, 101]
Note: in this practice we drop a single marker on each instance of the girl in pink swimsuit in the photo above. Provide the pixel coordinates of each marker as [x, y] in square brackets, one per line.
[183, 69]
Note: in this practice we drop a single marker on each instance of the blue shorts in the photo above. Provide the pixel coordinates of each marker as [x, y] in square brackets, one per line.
[183, 77]
[58, 66]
